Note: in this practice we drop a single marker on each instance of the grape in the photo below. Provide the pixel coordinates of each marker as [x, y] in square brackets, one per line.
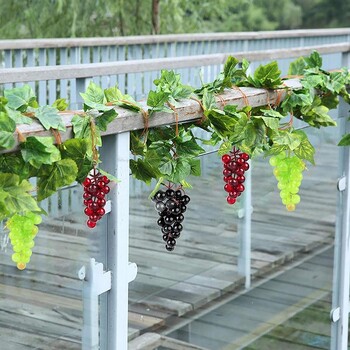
[288, 172]
[235, 165]
[22, 231]
[171, 204]
[95, 189]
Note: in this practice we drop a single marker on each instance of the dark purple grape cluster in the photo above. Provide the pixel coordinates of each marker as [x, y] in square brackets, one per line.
[235, 165]
[95, 189]
[171, 205]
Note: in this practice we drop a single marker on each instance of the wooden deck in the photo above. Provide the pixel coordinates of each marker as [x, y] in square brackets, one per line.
[41, 307]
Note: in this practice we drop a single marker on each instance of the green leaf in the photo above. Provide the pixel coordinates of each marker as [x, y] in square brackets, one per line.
[166, 166]
[266, 76]
[17, 116]
[230, 66]
[60, 104]
[195, 167]
[137, 146]
[345, 140]
[289, 139]
[20, 98]
[105, 118]
[143, 170]
[52, 177]
[49, 118]
[314, 60]
[157, 99]
[225, 148]
[297, 67]
[317, 115]
[110, 176]
[182, 169]
[15, 196]
[189, 149]
[94, 98]
[81, 126]
[77, 150]
[7, 128]
[182, 92]
[37, 150]
[113, 94]
[305, 150]
[222, 123]
[208, 100]
[14, 163]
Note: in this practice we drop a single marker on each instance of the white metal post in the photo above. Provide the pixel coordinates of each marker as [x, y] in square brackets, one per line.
[115, 160]
[341, 280]
[245, 216]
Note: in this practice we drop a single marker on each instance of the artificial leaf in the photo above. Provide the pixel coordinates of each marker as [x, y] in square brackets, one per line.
[189, 148]
[305, 150]
[314, 60]
[230, 66]
[345, 140]
[143, 170]
[105, 118]
[55, 176]
[288, 139]
[157, 99]
[182, 169]
[208, 100]
[225, 148]
[49, 118]
[297, 67]
[94, 98]
[195, 167]
[38, 150]
[20, 98]
[15, 196]
[77, 149]
[7, 128]
[113, 94]
[137, 146]
[17, 116]
[14, 163]
[60, 104]
[266, 76]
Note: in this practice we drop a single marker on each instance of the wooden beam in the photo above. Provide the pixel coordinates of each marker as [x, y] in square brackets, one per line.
[188, 111]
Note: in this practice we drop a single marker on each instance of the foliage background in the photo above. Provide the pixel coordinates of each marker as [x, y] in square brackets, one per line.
[90, 18]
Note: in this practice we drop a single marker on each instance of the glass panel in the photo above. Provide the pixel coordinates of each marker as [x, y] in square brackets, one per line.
[195, 293]
[41, 306]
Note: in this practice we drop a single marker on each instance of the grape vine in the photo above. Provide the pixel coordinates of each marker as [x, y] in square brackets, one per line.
[166, 154]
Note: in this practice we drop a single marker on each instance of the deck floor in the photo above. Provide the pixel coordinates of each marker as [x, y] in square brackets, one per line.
[41, 307]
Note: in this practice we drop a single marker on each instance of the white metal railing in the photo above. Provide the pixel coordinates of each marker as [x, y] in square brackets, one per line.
[116, 150]
[135, 80]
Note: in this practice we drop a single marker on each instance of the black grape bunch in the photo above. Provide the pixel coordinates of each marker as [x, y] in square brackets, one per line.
[235, 165]
[171, 205]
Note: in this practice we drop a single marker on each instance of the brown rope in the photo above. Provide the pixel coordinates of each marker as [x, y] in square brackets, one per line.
[223, 102]
[176, 118]
[21, 137]
[57, 136]
[245, 98]
[200, 121]
[145, 116]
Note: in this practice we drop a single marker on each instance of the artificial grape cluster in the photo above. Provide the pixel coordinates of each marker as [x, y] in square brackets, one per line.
[23, 229]
[288, 172]
[235, 165]
[171, 205]
[95, 190]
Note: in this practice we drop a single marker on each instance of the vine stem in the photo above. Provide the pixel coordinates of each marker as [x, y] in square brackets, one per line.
[200, 121]
[93, 141]
[245, 97]
[57, 136]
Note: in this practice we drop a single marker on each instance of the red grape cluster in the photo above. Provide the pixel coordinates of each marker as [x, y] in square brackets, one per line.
[95, 189]
[235, 165]
[171, 205]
